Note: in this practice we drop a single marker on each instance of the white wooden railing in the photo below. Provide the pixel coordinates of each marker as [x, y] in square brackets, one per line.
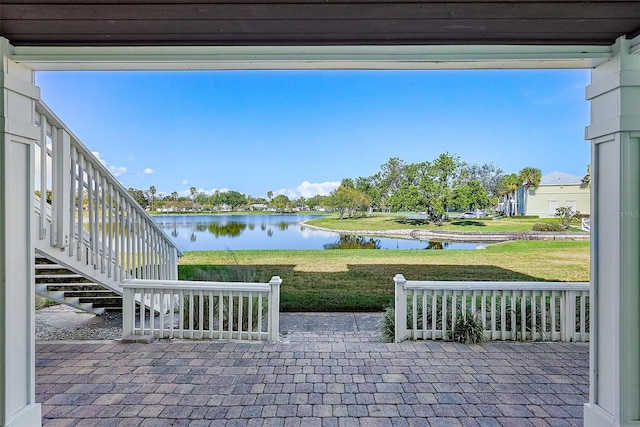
[586, 224]
[202, 310]
[90, 215]
[536, 311]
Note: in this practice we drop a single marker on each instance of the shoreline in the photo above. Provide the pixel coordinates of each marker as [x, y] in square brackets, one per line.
[460, 236]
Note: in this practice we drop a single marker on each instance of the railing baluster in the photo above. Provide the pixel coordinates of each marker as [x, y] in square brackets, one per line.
[201, 313]
[220, 314]
[82, 253]
[72, 198]
[503, 316]
[90, 210]
[211, 312]
[414, 311]
[230, 317]
[103, 255]
[42, 187]
[191, 314]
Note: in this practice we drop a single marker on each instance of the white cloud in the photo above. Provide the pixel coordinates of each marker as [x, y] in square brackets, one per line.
[115, 170]
[118, 170]
[147, 171]
[309, 189]
[185, 182]
[99, 157]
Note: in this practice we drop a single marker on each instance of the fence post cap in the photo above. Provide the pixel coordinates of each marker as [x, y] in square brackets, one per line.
[275, 280]
[399, 278]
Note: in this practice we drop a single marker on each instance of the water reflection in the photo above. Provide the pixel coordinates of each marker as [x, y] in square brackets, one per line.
[239, 232]
[434, 244]
[347, 241]
[229, 229]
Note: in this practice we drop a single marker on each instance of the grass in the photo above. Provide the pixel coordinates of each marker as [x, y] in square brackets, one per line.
[361, 280]
[386, 221]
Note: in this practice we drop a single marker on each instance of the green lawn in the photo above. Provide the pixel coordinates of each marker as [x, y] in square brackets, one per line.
[386, 221]
[361, 280]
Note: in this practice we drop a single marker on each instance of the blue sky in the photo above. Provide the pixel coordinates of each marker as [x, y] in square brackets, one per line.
[302, 132]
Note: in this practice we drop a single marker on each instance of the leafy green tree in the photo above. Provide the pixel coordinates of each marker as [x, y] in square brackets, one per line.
[391, 178]
[442, 176]
[488, 174]
[347, 200]
[317, 201]
[235, 200]
[280, 202]
[371, 187]
[470, 195]
[139, 197]
[530, 178]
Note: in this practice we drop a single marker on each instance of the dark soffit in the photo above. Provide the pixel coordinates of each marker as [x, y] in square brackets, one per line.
[316, 22]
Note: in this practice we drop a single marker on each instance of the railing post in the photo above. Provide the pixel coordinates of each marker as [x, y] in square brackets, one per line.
[400, 308]
[128, 310]
[569, 319]
[173, 268]
[61, 182]
[274, 308]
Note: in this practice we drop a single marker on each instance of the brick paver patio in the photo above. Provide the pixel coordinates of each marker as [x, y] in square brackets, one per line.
[332, 379]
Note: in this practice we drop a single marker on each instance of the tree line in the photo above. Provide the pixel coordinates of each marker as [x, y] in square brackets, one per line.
[433, 187]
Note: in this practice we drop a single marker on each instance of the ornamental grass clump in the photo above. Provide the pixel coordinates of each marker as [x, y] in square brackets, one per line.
[387, 325]
[468, 329]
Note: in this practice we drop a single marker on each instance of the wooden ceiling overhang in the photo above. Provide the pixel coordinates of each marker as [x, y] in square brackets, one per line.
[315, 32]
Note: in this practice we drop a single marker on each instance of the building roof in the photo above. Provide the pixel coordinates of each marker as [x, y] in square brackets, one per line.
[560, 178]
[317, 22]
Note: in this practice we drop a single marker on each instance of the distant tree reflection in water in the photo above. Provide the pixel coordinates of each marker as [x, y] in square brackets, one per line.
[347, 241]
[434, 244]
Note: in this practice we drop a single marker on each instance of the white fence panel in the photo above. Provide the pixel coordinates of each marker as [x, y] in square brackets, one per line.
[534, 311]
[202, 310]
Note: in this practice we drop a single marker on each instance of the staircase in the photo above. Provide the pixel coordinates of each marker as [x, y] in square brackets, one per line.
[58, 283]
[90, 233]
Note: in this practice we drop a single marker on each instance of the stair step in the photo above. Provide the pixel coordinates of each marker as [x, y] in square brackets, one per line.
[50, 267]
[59, 276]
[76, 287]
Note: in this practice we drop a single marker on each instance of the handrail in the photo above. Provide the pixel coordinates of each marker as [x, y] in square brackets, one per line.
[53, 119]
[202, 310]
[506, 310]
[113, 235]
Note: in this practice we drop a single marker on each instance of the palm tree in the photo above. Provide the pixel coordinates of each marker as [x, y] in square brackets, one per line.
[507, 188]
[530, 178]
[152, 191]
[174, 196]
[192, 192]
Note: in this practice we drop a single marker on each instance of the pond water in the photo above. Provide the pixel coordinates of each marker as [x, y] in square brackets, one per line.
[271, 231]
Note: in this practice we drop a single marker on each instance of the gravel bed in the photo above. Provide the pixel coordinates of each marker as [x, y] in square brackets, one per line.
[63, 323]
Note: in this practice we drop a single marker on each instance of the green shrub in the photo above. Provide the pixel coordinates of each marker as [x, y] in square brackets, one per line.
[387, 325]
[545, 226]
[468, 329]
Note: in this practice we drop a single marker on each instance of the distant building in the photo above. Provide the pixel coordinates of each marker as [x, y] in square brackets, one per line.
[556, 190]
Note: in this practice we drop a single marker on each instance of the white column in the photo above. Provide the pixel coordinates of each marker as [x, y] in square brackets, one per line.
[615, 241]
[17, 290]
